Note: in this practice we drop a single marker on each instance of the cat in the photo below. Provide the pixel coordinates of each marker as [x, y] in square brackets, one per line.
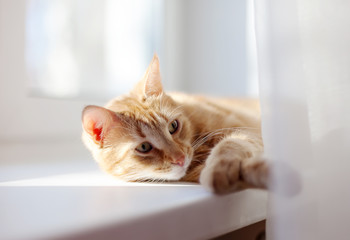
[150, 135]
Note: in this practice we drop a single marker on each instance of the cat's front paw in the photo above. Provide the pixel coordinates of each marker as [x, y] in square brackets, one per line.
[221, 176]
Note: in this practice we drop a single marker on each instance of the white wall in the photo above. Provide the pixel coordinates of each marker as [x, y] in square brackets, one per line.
[206, 42]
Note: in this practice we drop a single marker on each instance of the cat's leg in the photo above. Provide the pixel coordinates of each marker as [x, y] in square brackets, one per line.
[235, 163]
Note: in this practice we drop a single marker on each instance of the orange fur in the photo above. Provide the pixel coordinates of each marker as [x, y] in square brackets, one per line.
[218, 141]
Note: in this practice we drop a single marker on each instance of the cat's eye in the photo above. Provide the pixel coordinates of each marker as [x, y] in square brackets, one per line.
[144, 147]
[173, 126]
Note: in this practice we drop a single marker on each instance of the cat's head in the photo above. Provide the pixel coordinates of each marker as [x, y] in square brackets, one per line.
[144, 135]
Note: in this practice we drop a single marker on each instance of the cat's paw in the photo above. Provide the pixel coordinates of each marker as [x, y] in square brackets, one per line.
[221, 176]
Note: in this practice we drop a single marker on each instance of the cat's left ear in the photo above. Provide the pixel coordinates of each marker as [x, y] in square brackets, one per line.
[151, 83]
[98, 121]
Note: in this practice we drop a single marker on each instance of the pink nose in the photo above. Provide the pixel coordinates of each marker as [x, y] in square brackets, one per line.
[179, 161]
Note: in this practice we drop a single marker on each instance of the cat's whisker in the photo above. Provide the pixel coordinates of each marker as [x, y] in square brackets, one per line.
[202, 140]
[226, 129]
[202, 154]
[204, 137]
[206, 134]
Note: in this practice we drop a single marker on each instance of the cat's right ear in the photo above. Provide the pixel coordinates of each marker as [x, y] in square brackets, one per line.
[151, 83]
[97, 121]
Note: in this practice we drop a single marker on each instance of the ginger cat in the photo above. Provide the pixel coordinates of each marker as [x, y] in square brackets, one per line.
[150, 135]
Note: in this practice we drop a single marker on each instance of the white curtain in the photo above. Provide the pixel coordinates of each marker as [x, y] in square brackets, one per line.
[304, 74]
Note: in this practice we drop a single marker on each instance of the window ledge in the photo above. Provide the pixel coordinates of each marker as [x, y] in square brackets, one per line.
[91, 205]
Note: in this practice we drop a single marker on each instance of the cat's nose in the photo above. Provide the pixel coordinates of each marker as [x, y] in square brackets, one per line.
[179, 160]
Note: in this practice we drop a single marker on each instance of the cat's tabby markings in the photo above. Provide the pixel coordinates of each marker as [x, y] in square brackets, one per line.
[148, 135]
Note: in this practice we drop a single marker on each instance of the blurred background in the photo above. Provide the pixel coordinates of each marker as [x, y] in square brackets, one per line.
[58, 56]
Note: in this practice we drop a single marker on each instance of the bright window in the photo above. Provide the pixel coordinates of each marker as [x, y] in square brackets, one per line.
[90, 48]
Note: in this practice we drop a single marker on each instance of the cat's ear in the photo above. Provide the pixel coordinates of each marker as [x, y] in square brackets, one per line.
[151, 83]
[97, 121]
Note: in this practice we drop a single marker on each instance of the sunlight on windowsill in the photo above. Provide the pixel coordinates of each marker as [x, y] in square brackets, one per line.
[90, 178]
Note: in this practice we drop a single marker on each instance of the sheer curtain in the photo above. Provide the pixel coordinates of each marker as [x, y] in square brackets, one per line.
[304, 74]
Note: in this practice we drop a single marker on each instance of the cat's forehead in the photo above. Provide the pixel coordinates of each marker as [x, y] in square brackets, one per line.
[148, 125]
[150, 111]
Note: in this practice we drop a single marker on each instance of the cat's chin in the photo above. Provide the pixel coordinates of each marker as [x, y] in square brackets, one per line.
[176, 173]
[145, 175]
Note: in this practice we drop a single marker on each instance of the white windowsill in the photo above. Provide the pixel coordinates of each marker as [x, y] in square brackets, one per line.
[83, 202]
